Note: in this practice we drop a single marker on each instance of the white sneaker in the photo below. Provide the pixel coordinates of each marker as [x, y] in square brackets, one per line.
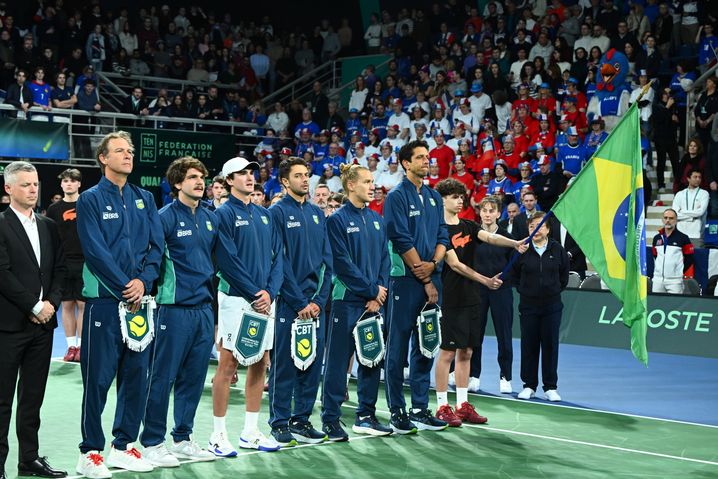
[452, 380]
[92, 466]
[159, 456]
[220, 446]
[505, 386]
[526, 393]
[256, 440]
[552, 395]
[130, 459]
[474, 385]
[191, 450]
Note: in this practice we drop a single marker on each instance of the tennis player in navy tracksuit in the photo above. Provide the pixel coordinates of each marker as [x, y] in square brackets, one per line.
[184, 325]
[249, 259]
[304, 294]
[361, 264]
[418, 238]
[121, 237]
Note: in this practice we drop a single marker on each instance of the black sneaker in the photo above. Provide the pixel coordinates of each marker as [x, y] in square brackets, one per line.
[283, 436]
[424, 420]
[370, 425]
[303, 432]
[401, 424]
[335, 432]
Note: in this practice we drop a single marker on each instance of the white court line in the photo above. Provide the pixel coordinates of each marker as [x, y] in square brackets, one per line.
[239, 454]
[592, 444]
[498, 430]
[541, 403]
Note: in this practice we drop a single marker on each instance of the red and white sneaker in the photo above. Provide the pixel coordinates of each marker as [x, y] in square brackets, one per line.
[76, 359]
[130, 459]
[70, 354]
[446, 414]
[92, 466]
[466, 413]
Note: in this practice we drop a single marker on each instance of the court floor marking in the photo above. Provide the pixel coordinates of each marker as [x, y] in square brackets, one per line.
[493, 429]
[239, 454]
[537, 403]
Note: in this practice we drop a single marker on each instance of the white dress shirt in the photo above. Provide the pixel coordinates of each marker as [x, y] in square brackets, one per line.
[29, 224]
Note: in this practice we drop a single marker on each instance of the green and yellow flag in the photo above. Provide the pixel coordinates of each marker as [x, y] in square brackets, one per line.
[603, 210]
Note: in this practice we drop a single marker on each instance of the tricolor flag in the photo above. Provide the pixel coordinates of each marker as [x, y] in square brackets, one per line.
[603, 210]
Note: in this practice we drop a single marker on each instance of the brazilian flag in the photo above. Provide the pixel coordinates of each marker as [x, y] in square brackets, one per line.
[603, 210]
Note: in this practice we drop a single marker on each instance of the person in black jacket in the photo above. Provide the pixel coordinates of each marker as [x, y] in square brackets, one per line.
[547, 185]
[665, 131]
[32, 271]
[19, 95]
[540, 275]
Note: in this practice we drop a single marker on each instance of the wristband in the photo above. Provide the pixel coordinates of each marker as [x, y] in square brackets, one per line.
[435, 263]
[427, 282]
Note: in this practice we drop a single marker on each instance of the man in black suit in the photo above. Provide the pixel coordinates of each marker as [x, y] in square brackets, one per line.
[521, 228]
[19, 95]
[31, 274]
[135, 104]
[576, 258]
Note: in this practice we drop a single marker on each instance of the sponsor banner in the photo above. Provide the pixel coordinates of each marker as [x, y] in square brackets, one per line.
[33, 139]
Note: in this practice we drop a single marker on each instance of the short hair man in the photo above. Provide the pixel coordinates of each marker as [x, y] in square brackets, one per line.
[32, 272]
[673, 253]
[303, 295]
[691, 204]
[121, 237]
[415, 223]
[64, 213]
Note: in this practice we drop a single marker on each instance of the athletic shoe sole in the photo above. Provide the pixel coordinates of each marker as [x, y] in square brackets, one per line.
[219, 453]
[404, 431]
[196, 458]
[370, 431]
[308, 440]
[291, 443]
[428, 427]
[246, 445]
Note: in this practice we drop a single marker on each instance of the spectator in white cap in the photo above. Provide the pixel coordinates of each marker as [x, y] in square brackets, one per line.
[358, 156]
[392, 177]
[398, 117]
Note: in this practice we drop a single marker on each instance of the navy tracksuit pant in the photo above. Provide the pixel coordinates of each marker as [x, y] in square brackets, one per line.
[286, 382]
[105, 356]
[406, 299]
[340, 348]
[501, 303]
[539, 336]
[183, 342]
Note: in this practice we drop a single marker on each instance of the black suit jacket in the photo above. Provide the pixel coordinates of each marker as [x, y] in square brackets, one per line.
[13, 97]
[21, 278]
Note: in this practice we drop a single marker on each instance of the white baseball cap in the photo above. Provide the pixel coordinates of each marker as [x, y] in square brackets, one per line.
[238, 164]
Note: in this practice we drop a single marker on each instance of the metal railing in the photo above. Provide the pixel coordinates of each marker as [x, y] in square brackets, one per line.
[337, 92]
[692, 98]
[328, 74]
[86, 129]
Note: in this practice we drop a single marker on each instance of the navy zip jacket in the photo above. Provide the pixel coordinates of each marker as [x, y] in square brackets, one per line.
[540, 279]
[413, 223]
[249, 251]
[307, 255]
[187, 268]
[121, 238]
[361, 258]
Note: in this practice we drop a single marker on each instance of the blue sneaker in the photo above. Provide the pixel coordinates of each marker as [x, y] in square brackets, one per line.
[401, 424]
[426, 421]
[257, 440]
[220, 446]
[304, 432]
[283, 437]
[334, 431]
[371, 426]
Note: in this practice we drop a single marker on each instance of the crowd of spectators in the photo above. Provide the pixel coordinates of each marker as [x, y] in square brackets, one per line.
[502, 95]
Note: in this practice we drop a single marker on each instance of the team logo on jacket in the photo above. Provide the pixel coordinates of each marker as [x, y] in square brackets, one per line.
[316, 219]
[265, 220]
[140, 204]
[376, 225]
[431, 200]
[181, 223]
[209, 226]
